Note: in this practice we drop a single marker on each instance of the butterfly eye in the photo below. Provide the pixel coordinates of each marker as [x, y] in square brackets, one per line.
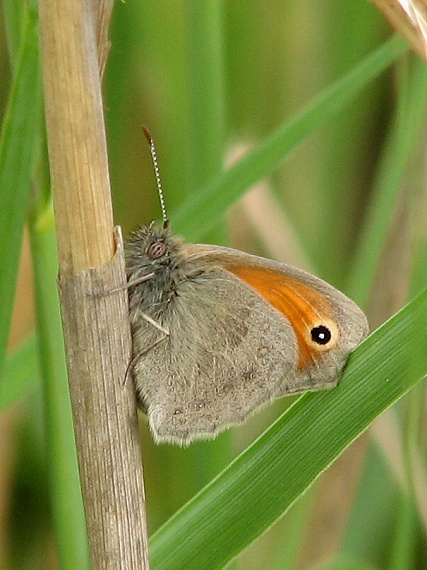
[157, 250]
[321, 335]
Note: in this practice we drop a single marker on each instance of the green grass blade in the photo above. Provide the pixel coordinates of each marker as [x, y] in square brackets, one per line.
[403, 136]
[344, 563]
[403, 550]
[205, 137]
[263, 482]
[367, 536]
[20, 373]
[66, 501]
[292, 536]
[206, 98]
[18, 147]
[202, 210]
[14, 18]
[404, 543]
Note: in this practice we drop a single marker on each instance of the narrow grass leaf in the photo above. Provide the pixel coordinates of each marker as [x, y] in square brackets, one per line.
[66, 500]
[203, 209]
[21, 373]
[373, 511]
[14, 19]
[18, 147]
[205, 85]
[206, 98]
[344, 563]
[265, 480]
[404, 135]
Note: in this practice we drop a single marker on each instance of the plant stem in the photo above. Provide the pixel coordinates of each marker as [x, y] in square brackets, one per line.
[96, 329]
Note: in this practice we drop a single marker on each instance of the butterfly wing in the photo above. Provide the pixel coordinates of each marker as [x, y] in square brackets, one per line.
[225, 353]
[240, 335]
[323, 318]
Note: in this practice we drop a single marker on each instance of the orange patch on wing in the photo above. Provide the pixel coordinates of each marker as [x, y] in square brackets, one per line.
[302, 306]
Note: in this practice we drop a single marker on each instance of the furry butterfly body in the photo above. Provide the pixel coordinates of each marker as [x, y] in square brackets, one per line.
[218, 332]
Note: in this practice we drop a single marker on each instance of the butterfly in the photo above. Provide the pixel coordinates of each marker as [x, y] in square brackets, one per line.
[217, 332]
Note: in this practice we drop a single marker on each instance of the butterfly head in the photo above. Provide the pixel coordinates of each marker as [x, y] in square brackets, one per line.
[153, 248]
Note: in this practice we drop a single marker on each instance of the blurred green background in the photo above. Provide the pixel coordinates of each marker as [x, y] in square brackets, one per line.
[212, 80]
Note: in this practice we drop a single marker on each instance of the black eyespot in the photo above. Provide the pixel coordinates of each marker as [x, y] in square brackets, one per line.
[321, 335]
[157, 250]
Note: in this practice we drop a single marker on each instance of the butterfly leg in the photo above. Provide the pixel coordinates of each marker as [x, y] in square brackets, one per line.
[165, 334]
[154, 323]
[128, 285]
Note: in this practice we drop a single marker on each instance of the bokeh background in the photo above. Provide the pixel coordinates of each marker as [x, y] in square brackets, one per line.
[211, 80]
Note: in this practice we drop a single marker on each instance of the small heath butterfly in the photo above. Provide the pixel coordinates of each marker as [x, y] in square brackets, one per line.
[218, 332]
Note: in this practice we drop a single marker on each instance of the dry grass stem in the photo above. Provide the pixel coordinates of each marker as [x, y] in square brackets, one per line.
[409, 17]
[96, 329]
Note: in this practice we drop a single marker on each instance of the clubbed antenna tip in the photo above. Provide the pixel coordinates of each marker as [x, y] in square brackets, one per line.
[147, 135]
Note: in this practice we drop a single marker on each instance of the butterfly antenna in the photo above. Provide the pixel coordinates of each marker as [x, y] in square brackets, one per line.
[157, 173]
